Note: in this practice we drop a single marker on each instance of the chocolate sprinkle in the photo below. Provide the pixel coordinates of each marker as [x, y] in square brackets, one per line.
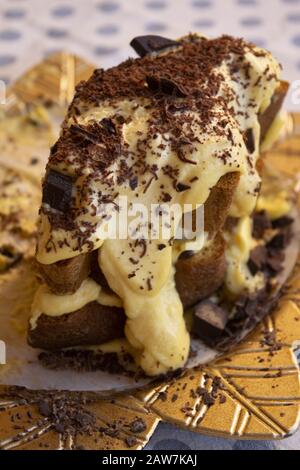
[87, 361]
[249, 140]
[165, 86]
[138, 426]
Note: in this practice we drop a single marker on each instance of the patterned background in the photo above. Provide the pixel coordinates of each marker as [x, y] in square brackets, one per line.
[100, 31]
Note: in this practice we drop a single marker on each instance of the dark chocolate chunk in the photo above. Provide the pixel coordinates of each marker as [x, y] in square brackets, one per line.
[249, 140]
[278, 242]
[131, 441]
[161, 246]
[222, 399]
[34, 161]
[84, 133]
[144, 45]
[53, 149]
[257, 260]
[57, 191]
[186, 254]
[108, 125]
[261, 223]
[110, 431]
[59, 427]
[282, 222]
[165, 85]
[209, 320]
[133, 182]
[275, 263]
[138, 426]
[271, 341]
[180, 187]
[44, 408]
[208, 399]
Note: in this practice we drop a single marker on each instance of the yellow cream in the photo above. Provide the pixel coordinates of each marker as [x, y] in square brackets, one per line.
[155, 327]
[275, 205]
[239, 245]
[47, 303]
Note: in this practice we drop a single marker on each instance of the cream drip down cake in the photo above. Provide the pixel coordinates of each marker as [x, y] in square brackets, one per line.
[183, 124]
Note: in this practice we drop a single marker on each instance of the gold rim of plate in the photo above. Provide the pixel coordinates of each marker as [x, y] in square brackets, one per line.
[260, 387]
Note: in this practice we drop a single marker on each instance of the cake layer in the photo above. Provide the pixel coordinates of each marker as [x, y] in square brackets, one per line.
[91, 324]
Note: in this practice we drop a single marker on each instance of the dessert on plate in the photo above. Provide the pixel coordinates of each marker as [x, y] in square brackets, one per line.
[182, 125]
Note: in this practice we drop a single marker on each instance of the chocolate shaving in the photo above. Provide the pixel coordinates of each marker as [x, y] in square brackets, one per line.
[180, 187]
[133, 183]
[249, 310]
[143, 244]
[249, 140]
[76, 129]
[66, 415]
[161, 246]
[183, 158]
[165, 86]
[108, 125]
[279, 241]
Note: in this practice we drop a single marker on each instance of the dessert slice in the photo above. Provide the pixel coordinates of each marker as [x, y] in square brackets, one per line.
[181, 125]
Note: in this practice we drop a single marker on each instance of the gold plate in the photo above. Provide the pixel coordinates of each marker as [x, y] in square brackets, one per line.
[258, 383]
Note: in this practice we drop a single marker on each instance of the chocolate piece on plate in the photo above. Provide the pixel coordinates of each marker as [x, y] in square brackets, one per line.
[261, 223]
[258, 259]
[282, 222]
[279, 241]
[57, 191]
[209, 320]
[144, 45]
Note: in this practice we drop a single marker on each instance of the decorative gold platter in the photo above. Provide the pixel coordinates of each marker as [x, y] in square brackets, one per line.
[251, 393]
